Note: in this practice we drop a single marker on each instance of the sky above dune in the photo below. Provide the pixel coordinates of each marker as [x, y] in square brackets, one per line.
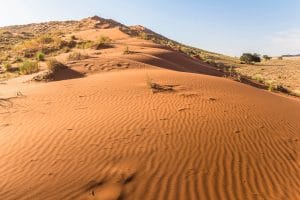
[230, 27]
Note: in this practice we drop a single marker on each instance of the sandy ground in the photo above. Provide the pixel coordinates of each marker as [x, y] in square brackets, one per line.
[108, 136]
[284, 72]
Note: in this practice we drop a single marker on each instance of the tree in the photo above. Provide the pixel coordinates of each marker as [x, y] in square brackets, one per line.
[249, 58]
[266, 57]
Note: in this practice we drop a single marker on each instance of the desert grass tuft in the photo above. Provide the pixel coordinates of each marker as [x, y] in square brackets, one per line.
[77, 56]
[54, 66]
[127, 51]
[29, 67]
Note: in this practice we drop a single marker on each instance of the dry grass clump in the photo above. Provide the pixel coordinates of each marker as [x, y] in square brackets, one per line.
[144, 36]
[103, 42]
[4, 56]
[7, 66]
[85, 44]
[29, 67]
[54, 66]
[156, 88]
[127, 51]
[77, 56]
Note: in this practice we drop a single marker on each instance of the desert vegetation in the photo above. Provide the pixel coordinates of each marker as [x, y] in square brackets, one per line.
[7, 66]
[103, 42]
[249, 58]
[40, 56]
[45, 44]
[77, 56]
[127, 51]
[266, 57]
[156, 87]
[54, 66]
[29, 67]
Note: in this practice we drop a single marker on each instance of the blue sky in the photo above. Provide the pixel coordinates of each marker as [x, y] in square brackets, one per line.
[226, 26]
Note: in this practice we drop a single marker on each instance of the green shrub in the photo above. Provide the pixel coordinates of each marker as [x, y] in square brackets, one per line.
[249, 58]
[266, 57]
[29, 67]
[40, 56]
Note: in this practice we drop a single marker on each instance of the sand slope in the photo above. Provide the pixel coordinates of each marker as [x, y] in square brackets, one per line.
[107, 136]
[211, 139]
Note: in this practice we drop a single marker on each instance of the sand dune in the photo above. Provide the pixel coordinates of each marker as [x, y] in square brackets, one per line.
[206, 140]
[108, 136]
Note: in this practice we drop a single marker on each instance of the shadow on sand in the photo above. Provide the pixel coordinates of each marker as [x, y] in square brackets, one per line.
[67, 73]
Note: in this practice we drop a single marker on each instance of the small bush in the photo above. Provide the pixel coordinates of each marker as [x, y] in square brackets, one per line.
[210, 61]
[271, 87]
[280, 58]
[46, 39]
[73, 37]
[77, 56]
[266, 57]
[29, 67]
[103, 42]
[283, 89]
[127, 51]
[85, 44]
[7, 66]
[259, 78]
[156, 88]
[249, 58]
[40, 56]
[54, 66]
[144, 36]
[68, 44]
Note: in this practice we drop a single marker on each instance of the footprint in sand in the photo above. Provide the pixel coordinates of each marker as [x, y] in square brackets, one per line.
[108, 190]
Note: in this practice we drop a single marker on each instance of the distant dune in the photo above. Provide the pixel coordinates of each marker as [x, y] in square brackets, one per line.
[138, 120]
